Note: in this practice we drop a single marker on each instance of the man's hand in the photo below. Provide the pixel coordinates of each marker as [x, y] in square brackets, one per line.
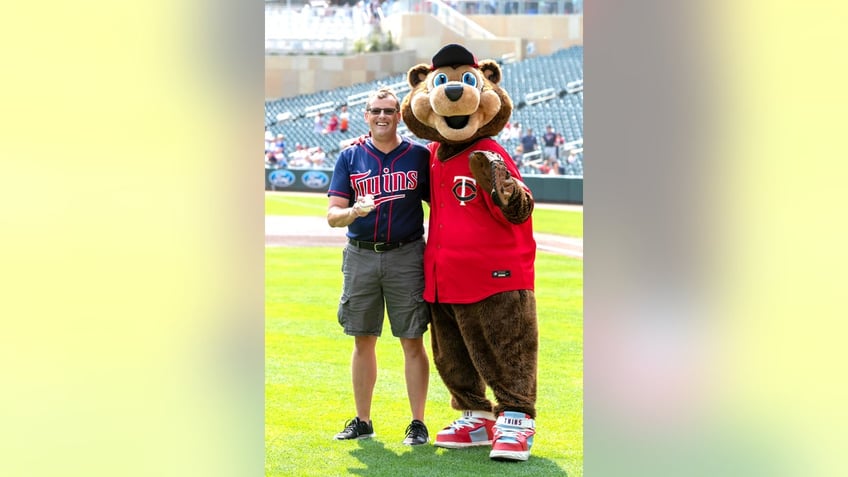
[364, 205]
[356, 141]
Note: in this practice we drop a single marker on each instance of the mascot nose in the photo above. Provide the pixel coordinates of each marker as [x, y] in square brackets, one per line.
[453, 91]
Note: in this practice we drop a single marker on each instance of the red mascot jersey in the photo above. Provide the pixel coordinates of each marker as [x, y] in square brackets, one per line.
[472, 251]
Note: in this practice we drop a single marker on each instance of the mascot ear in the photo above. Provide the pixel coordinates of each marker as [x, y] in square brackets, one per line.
[491, 71]
[417, 74]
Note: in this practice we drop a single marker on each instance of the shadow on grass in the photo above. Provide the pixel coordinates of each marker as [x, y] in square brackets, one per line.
[428, 460]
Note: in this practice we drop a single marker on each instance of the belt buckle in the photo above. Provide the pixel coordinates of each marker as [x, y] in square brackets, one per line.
[377, 245]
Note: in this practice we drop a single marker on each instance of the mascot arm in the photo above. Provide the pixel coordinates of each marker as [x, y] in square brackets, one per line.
[508, 193]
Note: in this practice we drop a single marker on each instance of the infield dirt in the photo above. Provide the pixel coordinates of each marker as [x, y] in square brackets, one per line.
[301, 231]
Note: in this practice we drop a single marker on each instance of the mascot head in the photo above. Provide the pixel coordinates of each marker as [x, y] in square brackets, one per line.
[456, 99]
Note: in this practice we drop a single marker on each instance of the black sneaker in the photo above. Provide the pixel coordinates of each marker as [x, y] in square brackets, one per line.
[356, 429]
[416, 433]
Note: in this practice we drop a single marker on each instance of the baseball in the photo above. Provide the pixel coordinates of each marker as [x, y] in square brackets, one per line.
[367, 203]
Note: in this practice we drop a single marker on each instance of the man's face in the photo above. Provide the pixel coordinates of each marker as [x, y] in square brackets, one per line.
[383, 124]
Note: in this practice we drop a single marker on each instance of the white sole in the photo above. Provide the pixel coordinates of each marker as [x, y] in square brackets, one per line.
[509, 455]
[411, 444]
[461, 445]
[368, 436]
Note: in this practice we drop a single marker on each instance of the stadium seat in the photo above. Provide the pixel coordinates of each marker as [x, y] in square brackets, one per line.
[552, 72]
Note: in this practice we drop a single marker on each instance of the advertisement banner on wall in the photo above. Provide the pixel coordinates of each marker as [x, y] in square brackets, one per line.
[557, 189]
[301, 180]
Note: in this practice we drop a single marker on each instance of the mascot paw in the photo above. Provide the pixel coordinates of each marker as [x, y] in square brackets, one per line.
[489, 170]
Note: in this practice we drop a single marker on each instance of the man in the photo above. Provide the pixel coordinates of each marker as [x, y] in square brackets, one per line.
[528, 141]
[549, 139]
[376, 192]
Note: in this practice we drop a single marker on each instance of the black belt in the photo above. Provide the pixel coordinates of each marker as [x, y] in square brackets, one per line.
[378, 247]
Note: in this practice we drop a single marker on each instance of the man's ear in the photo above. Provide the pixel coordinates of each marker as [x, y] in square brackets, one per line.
[491, 71]
[417, 74]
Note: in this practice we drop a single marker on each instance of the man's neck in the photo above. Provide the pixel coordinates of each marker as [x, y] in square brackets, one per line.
[387, 145]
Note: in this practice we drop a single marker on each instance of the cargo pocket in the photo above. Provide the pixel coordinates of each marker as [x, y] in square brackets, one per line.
[343, 308]
[421, 316]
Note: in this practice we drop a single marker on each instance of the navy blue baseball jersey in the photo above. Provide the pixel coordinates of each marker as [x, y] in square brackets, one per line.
[399, 181]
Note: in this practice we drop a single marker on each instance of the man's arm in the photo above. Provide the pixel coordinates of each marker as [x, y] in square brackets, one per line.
[340, 215]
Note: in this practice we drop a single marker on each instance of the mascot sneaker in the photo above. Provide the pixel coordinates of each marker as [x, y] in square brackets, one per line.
[513, 436]
[474, 428]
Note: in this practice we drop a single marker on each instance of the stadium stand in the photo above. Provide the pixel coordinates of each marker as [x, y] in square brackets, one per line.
[546, 90]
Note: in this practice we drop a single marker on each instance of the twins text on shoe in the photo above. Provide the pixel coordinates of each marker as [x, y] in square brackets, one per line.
[513, 438]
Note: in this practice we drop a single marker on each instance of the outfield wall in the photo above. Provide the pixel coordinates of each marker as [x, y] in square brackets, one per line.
[556, 189]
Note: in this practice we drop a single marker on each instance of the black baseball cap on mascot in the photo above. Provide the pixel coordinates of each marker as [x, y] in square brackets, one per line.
[453, 55]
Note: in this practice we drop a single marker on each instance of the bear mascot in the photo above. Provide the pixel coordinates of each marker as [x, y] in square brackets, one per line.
[479, 260]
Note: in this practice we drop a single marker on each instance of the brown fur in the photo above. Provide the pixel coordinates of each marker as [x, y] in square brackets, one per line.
[493, 342]
[486, 355]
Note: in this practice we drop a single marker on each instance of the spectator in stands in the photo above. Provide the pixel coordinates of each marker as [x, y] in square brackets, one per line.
[280, 155]
[270, 160]
[572, 155]
[375, 15]
[280, 141]
[299, 158]
[506, 133]
[560, 141]
[515, 131]
[318, 125]
[529, 142]
[275, 158]
[518, 157]
[332, 124]
[549, 167]
[269, 140]
[549, 140]
[344, 120]
[317, 156]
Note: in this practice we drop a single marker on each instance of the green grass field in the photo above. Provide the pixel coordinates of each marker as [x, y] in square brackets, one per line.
[308, 393]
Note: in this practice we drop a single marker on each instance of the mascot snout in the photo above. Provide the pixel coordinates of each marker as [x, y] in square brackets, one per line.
[454, 91]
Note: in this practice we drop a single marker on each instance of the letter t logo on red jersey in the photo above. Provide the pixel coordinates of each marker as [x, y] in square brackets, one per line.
[464, 189]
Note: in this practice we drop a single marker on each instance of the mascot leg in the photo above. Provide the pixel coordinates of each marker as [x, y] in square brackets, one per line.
[505, 352]
[503, 337]
[466, 386]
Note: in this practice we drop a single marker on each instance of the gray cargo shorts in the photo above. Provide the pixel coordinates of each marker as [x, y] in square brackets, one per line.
[376, 282]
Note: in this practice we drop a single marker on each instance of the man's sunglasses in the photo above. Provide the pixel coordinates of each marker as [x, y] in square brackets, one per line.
[386, 111]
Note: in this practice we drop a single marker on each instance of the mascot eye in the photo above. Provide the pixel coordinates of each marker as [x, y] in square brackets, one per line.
[440, 79]
[469, 79]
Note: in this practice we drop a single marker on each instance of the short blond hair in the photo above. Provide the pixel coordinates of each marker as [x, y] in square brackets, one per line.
[382, 93]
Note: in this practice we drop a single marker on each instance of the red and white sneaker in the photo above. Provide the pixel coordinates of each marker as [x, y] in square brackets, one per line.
[514, 433]
[474, 428]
